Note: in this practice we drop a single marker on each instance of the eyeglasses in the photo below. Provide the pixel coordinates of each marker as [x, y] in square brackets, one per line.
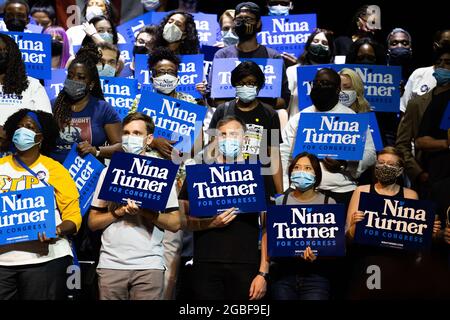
[245, 20]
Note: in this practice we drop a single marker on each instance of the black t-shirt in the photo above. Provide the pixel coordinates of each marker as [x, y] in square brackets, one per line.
[437, 163]
[235, 243]
[257, 120]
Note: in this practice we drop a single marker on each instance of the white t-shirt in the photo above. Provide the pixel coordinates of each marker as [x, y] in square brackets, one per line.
[34, 98]
[76, 35]
[336, 182]
[420, 82]
[291, 74]
[132, 242]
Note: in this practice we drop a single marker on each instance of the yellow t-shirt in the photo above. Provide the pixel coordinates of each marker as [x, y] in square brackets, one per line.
[67, 207]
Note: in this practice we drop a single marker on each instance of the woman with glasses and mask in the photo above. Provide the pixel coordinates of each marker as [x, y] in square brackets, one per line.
[36, 270]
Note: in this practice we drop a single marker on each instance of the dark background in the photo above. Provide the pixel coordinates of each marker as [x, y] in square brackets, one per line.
[420, 18]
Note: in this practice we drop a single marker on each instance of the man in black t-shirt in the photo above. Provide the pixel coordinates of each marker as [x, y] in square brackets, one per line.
[227, 262]
[262, 137]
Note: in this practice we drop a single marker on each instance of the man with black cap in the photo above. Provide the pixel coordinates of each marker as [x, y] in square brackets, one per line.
[247, 24]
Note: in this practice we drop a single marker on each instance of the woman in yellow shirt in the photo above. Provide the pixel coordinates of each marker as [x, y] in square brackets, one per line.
[37, 269]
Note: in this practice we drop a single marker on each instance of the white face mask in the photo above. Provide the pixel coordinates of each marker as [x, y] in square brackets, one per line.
[172, 33]
[133, 144]
[246, 93]
[165, 83]
[150, 4]
[347, 97]
[92, 12]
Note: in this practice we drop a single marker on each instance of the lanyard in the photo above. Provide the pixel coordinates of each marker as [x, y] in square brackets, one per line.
[29, 170]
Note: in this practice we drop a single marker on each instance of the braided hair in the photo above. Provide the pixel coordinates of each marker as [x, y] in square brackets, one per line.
[15, 80]
[88, 56]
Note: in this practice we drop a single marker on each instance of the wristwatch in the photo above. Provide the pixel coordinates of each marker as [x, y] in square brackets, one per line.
[265, 275]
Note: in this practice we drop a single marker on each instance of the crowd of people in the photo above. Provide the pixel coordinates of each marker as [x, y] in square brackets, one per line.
[126, 252]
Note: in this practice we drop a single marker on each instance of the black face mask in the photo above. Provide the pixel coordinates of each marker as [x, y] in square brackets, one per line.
[319, 54]
[400, 56]
[244, 31]
[3, 62]
[15, 24]
[140, 50]
[57, 48]
[324, 98]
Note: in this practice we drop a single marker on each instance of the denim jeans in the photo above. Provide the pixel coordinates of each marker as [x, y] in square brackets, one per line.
[301, 287]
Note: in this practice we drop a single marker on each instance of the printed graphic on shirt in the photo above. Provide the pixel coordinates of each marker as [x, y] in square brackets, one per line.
[10, 98]
[8, 183]
[78, 131]
[252, 140]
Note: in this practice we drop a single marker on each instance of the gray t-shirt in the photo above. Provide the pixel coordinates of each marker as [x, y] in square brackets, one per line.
[291, 200]
[132, 242]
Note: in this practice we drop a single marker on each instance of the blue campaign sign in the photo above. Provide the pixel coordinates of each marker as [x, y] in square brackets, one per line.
[190, 72]
[335, 135]
[221, 79]
[85, 171]
[291, 229]
[217, 187]
[445, 123]
[126, 53]
[174, 119]
[395, 222]
[207, 27]
[381, 84]
[36, 52]
[208, 52]
[54, 85]
[287, 33]
[146, 180]
[375, 131]
[119, 93]
[26, 213]
[130, 28]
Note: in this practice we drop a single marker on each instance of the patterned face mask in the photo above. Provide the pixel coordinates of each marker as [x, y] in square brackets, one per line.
[387, 174]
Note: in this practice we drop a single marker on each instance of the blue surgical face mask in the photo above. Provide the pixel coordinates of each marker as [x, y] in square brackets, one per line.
[229, 38]
[246, 93]
[106, 70]
[303, 180]
[279, 10]
[230, 148]
[133, 144]
[107, 37]
[23, 139]
[442, 76]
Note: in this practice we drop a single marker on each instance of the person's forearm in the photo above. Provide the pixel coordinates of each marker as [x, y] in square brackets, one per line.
[100, 220]
[66, 227]
[264, 262]
[168, 221]
[428, 143]
[197, 224]
[107, 151]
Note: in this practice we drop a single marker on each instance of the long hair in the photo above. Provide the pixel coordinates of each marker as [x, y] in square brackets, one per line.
[315, 164]
[15, 80]
[361, 104]
[65, 55]
[89, 57]
[190, 44]
[303, 59]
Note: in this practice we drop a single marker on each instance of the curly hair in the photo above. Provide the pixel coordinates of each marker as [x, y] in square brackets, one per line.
[15, 80]
[162, 53]
[190, 44]
[88, 56]
[49, 129]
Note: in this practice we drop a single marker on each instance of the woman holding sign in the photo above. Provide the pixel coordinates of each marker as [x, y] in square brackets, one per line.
[396, 265]
[305, 279]
[35, 269]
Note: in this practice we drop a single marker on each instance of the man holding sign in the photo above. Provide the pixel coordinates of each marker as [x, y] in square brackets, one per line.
[338, 179]
[131, 265]
[35, 270]
[227, 262]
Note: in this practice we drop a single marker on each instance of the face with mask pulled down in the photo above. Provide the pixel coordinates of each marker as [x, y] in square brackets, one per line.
[135, 138]
[325, 90]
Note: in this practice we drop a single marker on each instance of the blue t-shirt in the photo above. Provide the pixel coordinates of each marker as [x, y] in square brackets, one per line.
[86, 125]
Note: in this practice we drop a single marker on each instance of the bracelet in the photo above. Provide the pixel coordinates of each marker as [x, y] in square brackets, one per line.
[97, 153]
[115, 215]
[265, 275]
